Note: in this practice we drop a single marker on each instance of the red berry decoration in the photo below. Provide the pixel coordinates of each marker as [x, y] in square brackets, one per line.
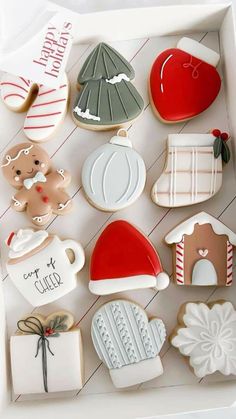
[224, 136]
[216, 132]
[39, 189]
[45, 199]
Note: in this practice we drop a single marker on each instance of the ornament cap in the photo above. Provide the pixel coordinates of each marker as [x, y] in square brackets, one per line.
[121, 138]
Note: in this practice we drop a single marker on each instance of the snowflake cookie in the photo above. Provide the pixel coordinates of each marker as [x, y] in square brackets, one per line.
[207, 335]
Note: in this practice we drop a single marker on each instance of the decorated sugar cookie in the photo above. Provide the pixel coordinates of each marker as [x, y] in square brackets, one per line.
[107, 98]
[193, 169]
[202, 251]
[41, 193]
[124, 259]
[184, 81]
[40, 267]
[114, 175]
[206, 334]
[45, 112]
[46, 354]
[128, 343]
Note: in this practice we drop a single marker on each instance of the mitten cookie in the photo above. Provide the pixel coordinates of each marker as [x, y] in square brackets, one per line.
[202, 251]
[184, 81]
[46, 354]
[206, 334]
[193, 169]
[27, 167]
[107, 98]
[124, 259]
[45, 112]
[127, 343]
[114, 175]
[39, 265]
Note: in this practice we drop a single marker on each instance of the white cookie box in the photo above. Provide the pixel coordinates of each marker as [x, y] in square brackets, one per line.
[178, 389]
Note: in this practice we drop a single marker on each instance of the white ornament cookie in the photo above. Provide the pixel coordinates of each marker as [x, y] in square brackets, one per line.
[207, 335]
[39, 265]
[45, 113]
[193, 169]
[114, 175]
[51, 348]
[128, 343]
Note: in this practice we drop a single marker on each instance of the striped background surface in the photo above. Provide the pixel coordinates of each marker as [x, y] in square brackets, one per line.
[69, 148]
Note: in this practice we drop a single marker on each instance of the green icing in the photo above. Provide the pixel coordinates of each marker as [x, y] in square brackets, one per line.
[107, 97]
[113, 104]
[104, 62]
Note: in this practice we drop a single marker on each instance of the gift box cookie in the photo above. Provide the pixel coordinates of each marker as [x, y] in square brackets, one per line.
[46, 354]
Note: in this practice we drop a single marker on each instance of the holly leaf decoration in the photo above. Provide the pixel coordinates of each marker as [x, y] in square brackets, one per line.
[225, 152]
[58, 324]
[217, 147]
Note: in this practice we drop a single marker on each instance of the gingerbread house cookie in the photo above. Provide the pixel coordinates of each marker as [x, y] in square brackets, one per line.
[202, 251]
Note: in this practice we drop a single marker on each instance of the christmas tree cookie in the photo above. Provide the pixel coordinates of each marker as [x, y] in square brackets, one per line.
[107, 98]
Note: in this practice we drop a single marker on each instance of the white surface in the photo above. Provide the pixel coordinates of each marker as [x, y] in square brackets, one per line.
[73, 144]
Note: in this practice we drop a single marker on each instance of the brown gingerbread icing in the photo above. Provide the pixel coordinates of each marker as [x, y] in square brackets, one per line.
[27, 167]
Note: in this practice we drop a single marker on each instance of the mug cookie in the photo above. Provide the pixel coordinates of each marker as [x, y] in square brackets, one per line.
[44, 113]
[128, 343]
[46, 354]
[27, 167]
[124, 259]
[107, 99]
[206, 334]
[40, 267]
[202, 251]
[184, 81]
[193, 169]
[114, 175]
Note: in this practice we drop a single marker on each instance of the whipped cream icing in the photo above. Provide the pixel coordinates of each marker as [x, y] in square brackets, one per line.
[24, 241]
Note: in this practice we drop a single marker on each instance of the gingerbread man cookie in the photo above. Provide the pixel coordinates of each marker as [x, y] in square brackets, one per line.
[27, 167]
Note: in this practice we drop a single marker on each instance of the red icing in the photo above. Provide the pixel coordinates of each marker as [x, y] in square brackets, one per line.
[123, 251]
[216, 132]
[39, 189]
[224, 136]
[189, 85]
[10, 238]
[45, 199]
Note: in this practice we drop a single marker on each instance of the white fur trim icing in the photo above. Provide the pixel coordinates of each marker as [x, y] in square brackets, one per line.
[113, 285]
[199, 51]
[118, 78]
[86, 114]
[162, 281]
[24, 241]
[190, 140]
[187, 227]
[132, 374]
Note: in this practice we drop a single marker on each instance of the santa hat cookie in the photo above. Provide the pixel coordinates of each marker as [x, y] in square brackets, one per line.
[124, 259]
[184, 81]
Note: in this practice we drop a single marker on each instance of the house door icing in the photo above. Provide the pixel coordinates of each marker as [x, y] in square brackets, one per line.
[204, 273]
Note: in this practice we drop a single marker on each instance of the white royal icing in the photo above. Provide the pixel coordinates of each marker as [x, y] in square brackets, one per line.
[118, 78]
[208, 338]
[15, 91]
[86, 114]
[198, 50]
[187, 227]
[10, 159]
[192, 174]
[24, 241]
[114, 175]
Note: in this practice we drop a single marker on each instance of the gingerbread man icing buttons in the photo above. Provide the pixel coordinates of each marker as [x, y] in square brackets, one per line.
[184, 81]
[206, 334]
[124, 259]
[114, 175]
[128, 343]
[27, 167]
[107, 99]
[39, 265]
[202, 251]
[193, 169]
[46, 354]
[45, 112]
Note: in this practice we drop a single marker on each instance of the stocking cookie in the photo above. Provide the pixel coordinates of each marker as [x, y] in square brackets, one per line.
[46, 354]
[193, 169]
[45, 112]
[128, 343]
[206, 334]
[114, 175]
[202, 251]
[27, 167]
[39, 265]
[184, 81]
[124, 259]
[107, 99]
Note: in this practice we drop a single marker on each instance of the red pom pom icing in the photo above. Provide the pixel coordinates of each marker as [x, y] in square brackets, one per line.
[224, 136]
[216, 132]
